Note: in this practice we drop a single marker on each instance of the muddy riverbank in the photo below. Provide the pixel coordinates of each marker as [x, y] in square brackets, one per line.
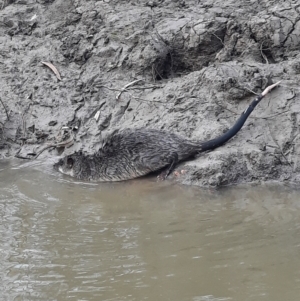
[193, 66]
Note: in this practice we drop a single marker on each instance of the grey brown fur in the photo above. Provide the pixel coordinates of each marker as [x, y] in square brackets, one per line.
[129, 154]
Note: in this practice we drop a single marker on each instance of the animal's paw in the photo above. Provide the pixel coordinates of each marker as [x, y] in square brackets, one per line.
[162, 176]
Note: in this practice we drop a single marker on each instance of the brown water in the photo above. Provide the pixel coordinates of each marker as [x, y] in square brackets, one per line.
[142, 240]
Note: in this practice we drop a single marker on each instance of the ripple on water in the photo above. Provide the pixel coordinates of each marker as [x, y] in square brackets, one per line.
[142, 240]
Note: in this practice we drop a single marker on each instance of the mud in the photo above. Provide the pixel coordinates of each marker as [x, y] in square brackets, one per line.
[199, 64]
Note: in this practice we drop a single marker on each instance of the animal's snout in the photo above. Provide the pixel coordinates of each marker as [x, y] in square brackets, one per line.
[58, 164]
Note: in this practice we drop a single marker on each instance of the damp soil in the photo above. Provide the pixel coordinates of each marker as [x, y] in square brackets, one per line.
[190, 67]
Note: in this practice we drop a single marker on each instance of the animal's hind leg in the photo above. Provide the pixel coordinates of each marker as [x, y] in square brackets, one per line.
[173, 160]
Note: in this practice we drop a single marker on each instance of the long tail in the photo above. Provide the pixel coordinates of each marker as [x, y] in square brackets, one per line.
[214, 143]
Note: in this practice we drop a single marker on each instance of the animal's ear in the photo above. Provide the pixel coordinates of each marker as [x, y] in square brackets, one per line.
[70, 162]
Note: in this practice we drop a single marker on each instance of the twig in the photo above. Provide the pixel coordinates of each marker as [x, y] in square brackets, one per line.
[138, 98]
[24, 123]
[219, 40]
[157, 73]
[126, 86]
[53, 68]
[250, 90]
[223, 107]
[66, 143]
[272, 116]
[146, 87]
[4, 109]
[22, 157]
[108, 88]
[43, 149]
[278, 146]
[291, 87]
[262, 54]
[168, 50]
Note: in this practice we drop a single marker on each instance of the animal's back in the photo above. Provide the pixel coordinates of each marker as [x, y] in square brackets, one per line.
[141, 151]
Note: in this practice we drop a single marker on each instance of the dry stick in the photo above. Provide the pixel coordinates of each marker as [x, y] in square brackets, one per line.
[154, 69]
[59, 144]
[219, 39]
[168, 50]
[53, 68]
[250, 90]
[66, 143]
[295, 88]
[126, 86]
[277, 144]
[223, 107]
[4, 109]
[142, 88]
[108, 88]
[24, 123]
[42, 150]
[144, 100]
[262, 54]
[126, 90]
[146, 87]
[272, 116]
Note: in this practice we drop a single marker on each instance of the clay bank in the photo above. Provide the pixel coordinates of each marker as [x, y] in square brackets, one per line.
[73, 72]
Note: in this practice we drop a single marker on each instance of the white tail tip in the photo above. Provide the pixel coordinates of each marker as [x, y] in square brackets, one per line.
[269, 88]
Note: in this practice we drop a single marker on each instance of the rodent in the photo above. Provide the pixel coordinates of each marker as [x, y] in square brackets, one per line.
[133, 153]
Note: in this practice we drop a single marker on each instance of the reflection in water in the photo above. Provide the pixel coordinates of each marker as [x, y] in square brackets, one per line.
[142, 240]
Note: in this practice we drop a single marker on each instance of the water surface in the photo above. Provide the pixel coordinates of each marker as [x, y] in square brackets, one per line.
[143, 240]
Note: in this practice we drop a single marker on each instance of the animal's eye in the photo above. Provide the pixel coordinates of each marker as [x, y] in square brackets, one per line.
[70, 162]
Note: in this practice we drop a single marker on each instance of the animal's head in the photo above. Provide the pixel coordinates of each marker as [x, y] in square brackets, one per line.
[74, 165]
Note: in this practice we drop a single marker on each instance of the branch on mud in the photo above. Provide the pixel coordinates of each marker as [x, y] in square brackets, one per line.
[4, 109]
[63, 143]
[66, 140]
[126, 86]
[154, 70]
[250, 90]
[21, 157]
[24, 121]
[124, 89]
[53, 68]
[165, 51]
[219, 39]
[262, 54]
[278, 146]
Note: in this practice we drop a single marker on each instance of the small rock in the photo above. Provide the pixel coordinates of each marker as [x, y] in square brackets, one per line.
[52, 123]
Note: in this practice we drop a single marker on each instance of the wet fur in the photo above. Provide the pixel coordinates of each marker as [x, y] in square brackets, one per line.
[129, 154]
